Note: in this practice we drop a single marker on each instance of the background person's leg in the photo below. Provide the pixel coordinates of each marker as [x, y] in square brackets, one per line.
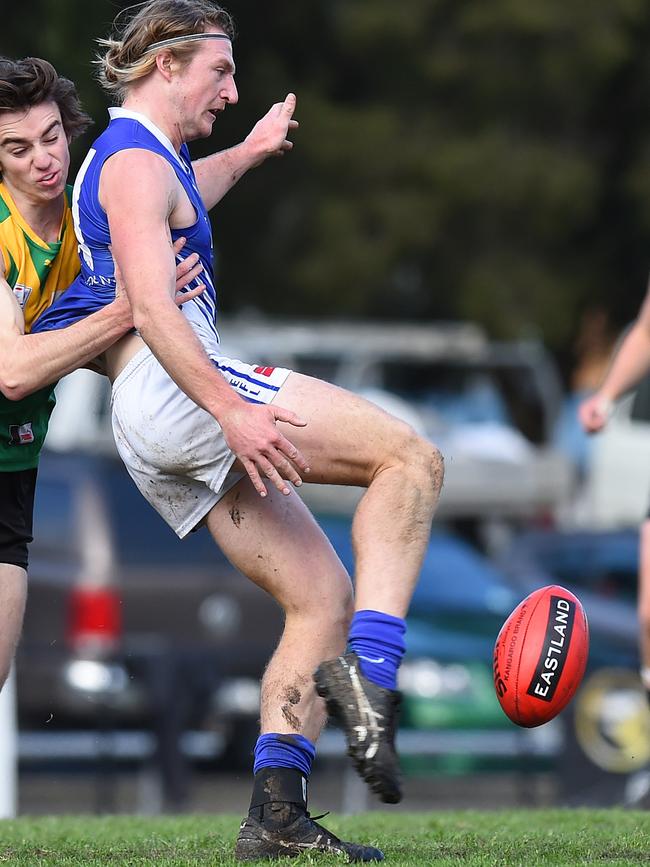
[16, 520]
[13, 594]
[644, 603]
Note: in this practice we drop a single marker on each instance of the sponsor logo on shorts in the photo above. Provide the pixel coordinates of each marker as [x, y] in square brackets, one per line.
[264, 371]
[554, 652]
[21, 434]
[246, 387]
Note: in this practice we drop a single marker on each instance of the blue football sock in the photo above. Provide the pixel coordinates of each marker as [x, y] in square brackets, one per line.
[284, 751]
[378, 641]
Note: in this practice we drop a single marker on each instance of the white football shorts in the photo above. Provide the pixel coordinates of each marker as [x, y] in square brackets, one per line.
[175, 451]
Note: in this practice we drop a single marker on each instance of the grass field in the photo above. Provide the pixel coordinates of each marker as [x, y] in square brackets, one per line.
[509, 838]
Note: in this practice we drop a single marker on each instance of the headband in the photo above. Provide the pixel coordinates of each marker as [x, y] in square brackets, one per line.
[191, 37]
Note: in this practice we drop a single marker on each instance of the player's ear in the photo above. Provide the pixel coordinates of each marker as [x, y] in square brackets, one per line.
[166, 63]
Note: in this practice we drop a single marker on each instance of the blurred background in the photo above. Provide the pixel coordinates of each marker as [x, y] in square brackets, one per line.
[461, 235]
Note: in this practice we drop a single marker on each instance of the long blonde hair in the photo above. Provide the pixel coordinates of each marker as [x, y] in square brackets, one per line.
[125, 58]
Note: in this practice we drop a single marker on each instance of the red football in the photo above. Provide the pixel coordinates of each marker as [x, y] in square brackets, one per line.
[540, 656]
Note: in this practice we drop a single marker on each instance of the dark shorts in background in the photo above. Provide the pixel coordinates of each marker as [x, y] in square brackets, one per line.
[16, 515]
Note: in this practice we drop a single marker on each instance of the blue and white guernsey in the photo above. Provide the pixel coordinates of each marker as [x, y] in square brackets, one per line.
[95, 285]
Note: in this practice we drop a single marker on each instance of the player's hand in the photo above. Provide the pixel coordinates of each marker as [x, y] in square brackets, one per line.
[264, 452]
[594, 413]
[186, 271]
[269, 136]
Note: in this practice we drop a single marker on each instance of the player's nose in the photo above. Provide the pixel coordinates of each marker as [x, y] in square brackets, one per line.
[230, 93]
[41, 157]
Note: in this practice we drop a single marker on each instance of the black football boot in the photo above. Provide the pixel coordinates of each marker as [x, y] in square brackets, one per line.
[279, 826]
[368, 715]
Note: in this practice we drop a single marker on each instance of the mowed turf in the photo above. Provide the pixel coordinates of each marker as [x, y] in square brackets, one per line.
[519, 837]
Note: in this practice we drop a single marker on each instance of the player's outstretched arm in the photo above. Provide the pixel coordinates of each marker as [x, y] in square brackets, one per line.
[138, 191]
[31, 361]
[629, 365]
[219, 172]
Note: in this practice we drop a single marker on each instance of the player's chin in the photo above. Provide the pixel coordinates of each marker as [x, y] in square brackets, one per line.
[207, 122]
[49, 194]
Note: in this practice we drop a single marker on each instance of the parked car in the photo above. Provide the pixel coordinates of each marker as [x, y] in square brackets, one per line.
[125, 624]
[491, 407]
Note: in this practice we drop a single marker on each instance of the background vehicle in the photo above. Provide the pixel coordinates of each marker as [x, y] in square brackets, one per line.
[127, 626]
[617, 483]
[491, 407]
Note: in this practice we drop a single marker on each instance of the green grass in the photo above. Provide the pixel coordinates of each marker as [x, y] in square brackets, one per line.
[508, 838]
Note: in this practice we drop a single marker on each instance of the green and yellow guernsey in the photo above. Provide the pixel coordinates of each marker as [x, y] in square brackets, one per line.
[37, 272]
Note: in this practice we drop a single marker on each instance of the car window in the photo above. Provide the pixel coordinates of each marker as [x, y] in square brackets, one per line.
[458, 395]
[321, 366]
[54, 515]
[604, 563]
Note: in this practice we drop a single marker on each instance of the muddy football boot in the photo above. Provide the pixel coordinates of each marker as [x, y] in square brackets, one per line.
[368, 715]
[258, 841]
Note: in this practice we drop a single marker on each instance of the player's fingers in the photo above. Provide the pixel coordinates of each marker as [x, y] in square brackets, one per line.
[289, 104]
[188, 294]
[185, 265]
[282, 414]
[185, 273]
[287, 469]
[274, 476]
[254, 476]
[293, 454]
[178, 245]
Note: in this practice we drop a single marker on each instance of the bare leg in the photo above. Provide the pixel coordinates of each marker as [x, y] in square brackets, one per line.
[350, 441]
[644, 600]
[13, 594]
[276, 543]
